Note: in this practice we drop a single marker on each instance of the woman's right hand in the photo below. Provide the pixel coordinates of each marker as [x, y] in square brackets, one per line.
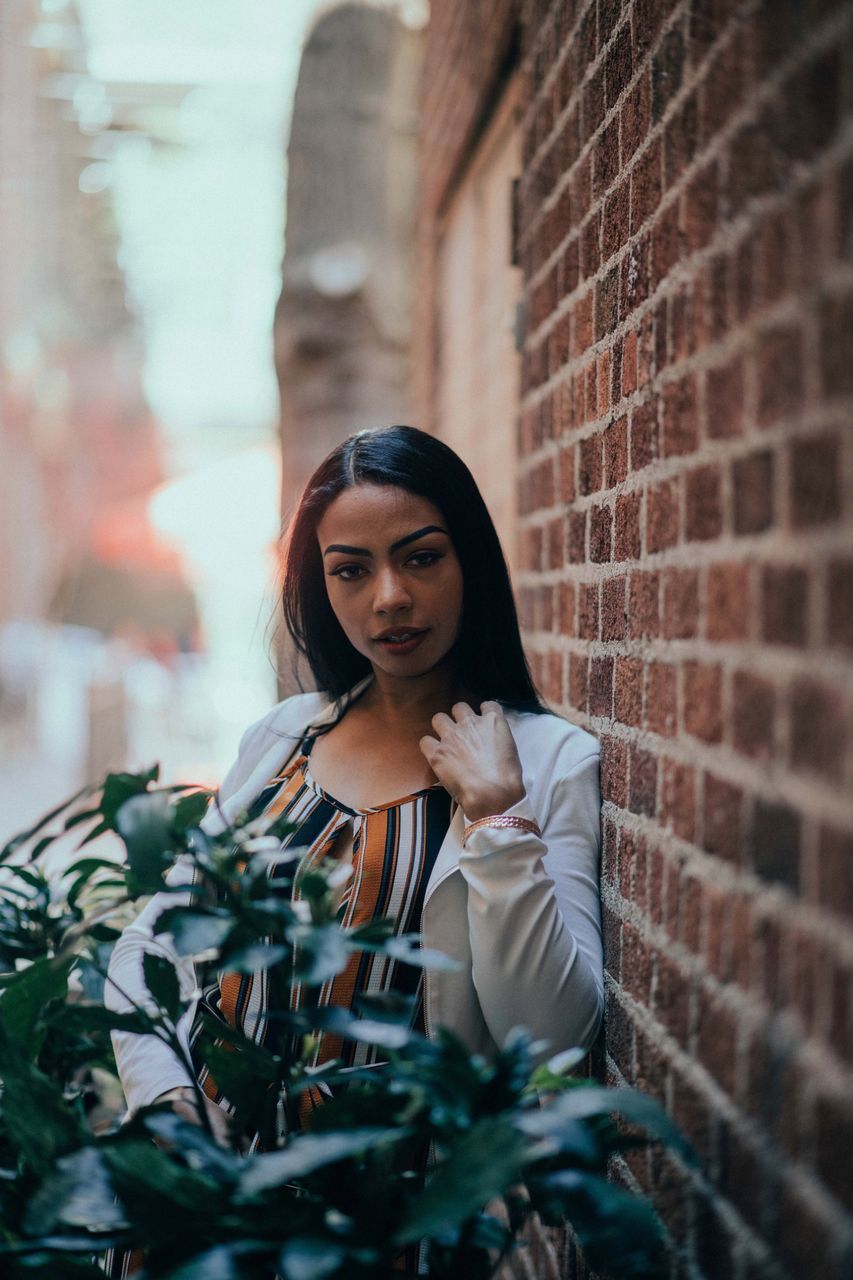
[184, 1102]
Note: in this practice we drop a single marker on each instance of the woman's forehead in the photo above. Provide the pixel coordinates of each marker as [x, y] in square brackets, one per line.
[379, 509]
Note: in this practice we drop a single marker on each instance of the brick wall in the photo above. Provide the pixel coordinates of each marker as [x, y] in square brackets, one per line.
[686, 488]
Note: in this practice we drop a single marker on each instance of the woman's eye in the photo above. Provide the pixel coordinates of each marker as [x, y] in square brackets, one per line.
[349, 572]
[423, 558]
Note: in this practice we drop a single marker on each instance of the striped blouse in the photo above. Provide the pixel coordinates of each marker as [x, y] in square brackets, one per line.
[394, 846]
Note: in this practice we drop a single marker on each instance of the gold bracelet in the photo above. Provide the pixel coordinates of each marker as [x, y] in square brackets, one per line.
[502, 820]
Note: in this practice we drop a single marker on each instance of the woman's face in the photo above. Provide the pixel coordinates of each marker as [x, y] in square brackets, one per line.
[393, 577]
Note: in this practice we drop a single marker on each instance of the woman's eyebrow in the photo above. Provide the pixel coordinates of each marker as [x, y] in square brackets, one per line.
[395, 546]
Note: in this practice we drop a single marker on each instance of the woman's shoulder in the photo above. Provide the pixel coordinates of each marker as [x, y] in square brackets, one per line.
[551, 743]
[289, 716]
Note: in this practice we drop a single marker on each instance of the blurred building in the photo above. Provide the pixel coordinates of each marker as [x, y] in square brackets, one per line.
[79, 447]
[343, 321]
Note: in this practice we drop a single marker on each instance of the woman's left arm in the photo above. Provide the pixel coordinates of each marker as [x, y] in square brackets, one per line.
[534, 916]
[534, 910]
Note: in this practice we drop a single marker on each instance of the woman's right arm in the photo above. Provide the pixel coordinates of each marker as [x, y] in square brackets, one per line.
[147, 1067]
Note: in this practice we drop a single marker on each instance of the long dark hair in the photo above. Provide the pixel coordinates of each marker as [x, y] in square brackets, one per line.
[489, 655]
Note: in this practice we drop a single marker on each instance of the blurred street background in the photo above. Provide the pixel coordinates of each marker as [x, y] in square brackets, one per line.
[143, 181]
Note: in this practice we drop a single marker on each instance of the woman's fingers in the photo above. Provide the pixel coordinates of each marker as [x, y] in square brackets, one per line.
[462, 711]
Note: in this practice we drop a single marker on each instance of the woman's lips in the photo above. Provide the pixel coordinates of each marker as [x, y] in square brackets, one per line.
[402, 646]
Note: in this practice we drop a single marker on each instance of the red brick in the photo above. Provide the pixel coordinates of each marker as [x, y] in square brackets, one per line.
[839, 586]
[728, 608]
[818, 728]
[646, 351]
[627, 527]
[629, 362]
[716, 915]
[601, 687]
[588, 612]
[754, 700]
[578, 681]
[814, 468]
[775, 843]
[680, 604]
[679, 140]
[703, 713]
[643, 604]
[672, 997]
[600, 534]
[644, 435]
[576, 537]
[614, 224]
[836, 325]
[661, 699]
[700, 207]
[717, 1040]
[690, 904]
[666, 243]
[643, 786]
[703, 503]
[724, 400]
[784, 604]
[636, 963]
[694, 1114]
[566, 608]
[635, 117]
[616, 452]
[667, 69]
[566, 468]
[614, 771]
[628, 693]
[678, 799]
[753, 489]
[721, 818]
[613, 610]
[662, 516]
[680, 417]
[835, 870]
[590, 464]
[780, 379]
[646, 185]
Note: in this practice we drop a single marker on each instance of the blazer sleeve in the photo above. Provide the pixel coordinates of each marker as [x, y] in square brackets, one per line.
[146, 1066]
[534, 916]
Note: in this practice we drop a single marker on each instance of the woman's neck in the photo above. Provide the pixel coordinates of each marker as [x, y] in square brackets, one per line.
[398, 701]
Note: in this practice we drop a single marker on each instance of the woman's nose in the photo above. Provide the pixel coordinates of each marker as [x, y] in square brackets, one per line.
[390, 592]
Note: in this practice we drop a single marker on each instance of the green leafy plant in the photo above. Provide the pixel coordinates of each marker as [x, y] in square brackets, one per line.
[507, 1139]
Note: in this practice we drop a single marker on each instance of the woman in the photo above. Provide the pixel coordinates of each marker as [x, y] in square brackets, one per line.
[469, 812]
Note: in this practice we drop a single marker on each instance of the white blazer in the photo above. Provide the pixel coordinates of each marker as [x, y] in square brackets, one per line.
[521, 915]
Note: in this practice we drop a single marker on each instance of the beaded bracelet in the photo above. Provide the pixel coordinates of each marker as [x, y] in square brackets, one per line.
[502, 820]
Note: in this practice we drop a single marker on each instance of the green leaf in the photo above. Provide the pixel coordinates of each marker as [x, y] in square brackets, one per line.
[190, 809]
[144, 823]
[23, 1002]
[83, 1017]
[119, 787]
[218, 1263]
[322, 952]
[38, 1122]
[307, 1153]
[588, 1101]
[482, 1164]
[195, 929]
[161, 979]
[305, 1259]
[79, 1193]
[618, 1231]
[407, 948]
